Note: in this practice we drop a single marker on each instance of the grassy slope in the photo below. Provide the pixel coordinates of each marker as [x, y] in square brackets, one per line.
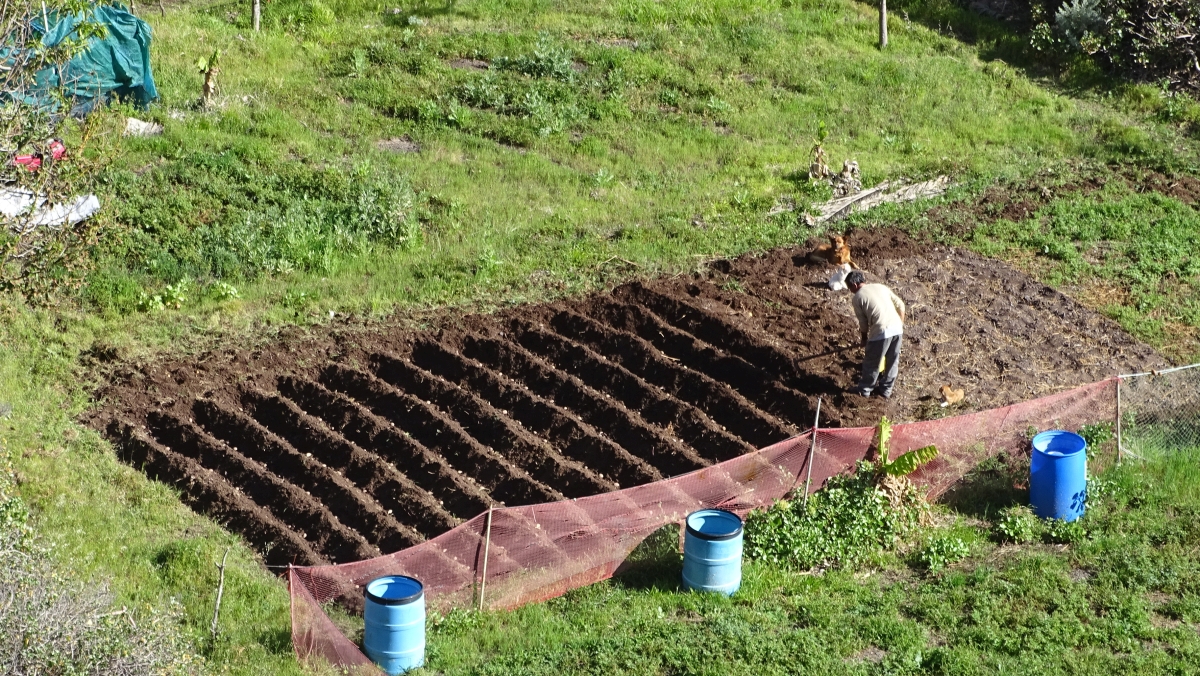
[1125, 600]
[711, 116]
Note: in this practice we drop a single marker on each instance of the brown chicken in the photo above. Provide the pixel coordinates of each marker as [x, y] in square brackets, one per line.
[836, 252]
[951, 395]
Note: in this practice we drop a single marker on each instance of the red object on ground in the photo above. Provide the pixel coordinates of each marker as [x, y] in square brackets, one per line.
[537, 552]
[34, 162]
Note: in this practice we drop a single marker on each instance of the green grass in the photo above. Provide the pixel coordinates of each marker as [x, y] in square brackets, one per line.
[578, 147]
[644, 130]
[1123, 600]
[1133, 256]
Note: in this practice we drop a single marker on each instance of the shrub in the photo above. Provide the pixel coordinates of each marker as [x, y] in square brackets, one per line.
[844, 525]
[1018, 524]
[941, 551]
[1147, 40]
[1063, 532]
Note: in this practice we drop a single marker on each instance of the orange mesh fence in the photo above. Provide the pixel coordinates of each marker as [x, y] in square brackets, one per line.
[537, 552]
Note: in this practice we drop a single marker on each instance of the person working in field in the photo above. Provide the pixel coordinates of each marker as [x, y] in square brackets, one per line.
[881, 322]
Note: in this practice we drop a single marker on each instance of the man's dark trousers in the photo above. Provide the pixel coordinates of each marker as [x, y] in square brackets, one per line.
[872, 379]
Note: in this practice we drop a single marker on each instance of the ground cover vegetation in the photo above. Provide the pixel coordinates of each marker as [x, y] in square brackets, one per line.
[678, 130]
[988, 590]
[551, 139]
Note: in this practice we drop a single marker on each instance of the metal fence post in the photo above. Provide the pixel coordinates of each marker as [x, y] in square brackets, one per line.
[812, 451]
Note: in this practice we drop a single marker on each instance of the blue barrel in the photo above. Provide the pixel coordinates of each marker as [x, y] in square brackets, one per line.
[712, 552]
[1058, 475]
[394, 631]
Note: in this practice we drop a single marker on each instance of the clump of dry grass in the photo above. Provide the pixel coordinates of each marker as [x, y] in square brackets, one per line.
[53, 623]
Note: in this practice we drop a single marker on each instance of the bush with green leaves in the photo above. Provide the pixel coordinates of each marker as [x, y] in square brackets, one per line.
[1057, 531]
[844, 525]
[941, 551]
[1148, 40]
[1018, 524]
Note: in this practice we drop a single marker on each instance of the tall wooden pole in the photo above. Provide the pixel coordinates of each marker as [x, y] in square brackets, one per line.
[257, 14]
[882, 24]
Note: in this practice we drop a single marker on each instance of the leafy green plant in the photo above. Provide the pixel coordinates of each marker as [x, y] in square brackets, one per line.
[175, 295]
[1018, 524]
[1064, 532]
[1097, 433]
[297, 300]
[150, 302]
[223, 291]
[210, 67]
[548, 59]
[941, 551]
[906, 463]
[845, 524]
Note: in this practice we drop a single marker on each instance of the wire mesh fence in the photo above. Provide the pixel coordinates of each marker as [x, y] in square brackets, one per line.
[536, 552]
[1158, 412]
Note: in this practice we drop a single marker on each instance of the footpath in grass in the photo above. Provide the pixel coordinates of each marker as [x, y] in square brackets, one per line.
[1116, 595]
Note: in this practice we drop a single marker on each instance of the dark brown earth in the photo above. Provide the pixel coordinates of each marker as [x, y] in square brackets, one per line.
[340, 443]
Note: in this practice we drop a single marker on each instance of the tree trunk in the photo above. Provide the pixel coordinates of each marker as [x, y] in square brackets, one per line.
[882, 24]
[257, 14]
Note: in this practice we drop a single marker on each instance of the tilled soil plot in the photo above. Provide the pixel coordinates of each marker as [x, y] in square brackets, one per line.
[341, 444]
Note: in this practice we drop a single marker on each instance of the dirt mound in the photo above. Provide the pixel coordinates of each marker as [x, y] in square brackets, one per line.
[354, 440]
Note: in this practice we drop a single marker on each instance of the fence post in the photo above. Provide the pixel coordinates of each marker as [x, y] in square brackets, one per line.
[812, 450]
[1120, 451]
[257, 14]
[487, 544]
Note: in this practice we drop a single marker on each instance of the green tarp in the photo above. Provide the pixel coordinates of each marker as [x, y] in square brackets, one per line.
[116, 65]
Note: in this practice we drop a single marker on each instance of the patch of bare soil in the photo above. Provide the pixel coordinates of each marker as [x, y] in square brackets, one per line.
[469, 64]
[402, 144]
[344, 442]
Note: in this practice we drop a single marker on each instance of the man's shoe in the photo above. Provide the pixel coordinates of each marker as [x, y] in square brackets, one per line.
[886, 394]
[861, 393]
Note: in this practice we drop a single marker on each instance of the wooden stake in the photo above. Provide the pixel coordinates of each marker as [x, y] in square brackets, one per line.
[883, 38]
[1120, 451]
[220, 591]
[812, 451]
[257, 15]
[487, 543]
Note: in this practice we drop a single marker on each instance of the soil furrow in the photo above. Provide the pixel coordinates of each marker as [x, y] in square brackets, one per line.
[625, 427]
[751, 381]
[208, 493]
[721, 334]
[574, 438]
[493, 428]
[505, 481]
[292, 506]
[705, 437]
[408, 503]
[582, 395]
[349, 504]
[722, 403]
[458, 494]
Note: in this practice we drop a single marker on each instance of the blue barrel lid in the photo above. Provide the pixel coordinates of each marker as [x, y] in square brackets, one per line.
[1059, 443]
[394, 590]
[714, 524]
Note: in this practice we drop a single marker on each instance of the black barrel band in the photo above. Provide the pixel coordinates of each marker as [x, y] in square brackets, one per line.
[717, 538]
[403, 601]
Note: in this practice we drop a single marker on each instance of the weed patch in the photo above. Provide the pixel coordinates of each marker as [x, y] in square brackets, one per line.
[848, 523]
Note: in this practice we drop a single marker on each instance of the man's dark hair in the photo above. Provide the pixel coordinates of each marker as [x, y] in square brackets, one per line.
[855, 278]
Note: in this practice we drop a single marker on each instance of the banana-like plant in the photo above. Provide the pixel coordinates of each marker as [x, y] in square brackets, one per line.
[908, 462]
[209, 67]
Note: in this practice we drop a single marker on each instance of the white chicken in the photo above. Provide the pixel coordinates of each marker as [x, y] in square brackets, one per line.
[837, 281]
